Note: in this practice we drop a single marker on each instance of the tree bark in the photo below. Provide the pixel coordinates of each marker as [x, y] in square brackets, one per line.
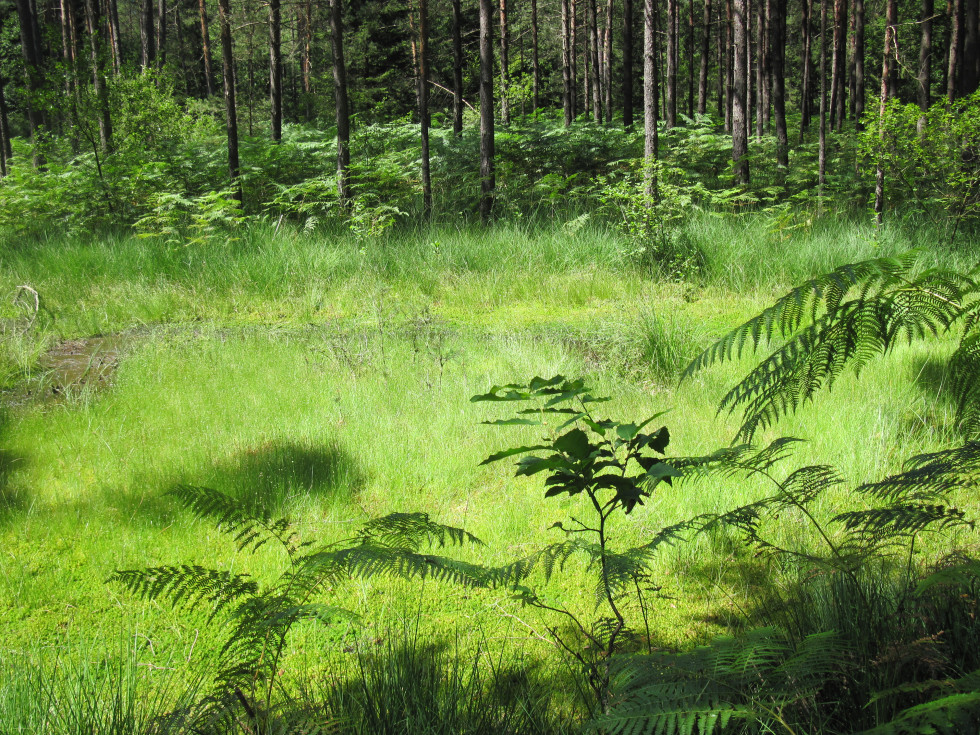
[568, 89]
[740, 122]
[607, 59]
[98, 84]
[535, 60]
[670, 113]
[592, 18]
[729, 65]
[955, 48]
[777, 52]
[231, 111]
[304, 22]
[341, 104]
[858, 64]
[30, 45]
[275, 69]
[822, 146]
[891, 20]
[206, 46]
[705, 51]
[838, 66]
[161, 33]
[628, 64]
[457, 35]
[116, 35]
[487, 179]
[147, 35]
[969, 78]
[505, 64]
[423, 96]
[760, 67]
[650, 95]
[925, 59]
[806, 92]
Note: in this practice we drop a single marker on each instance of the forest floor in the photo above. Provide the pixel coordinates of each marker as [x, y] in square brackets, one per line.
[329, 381]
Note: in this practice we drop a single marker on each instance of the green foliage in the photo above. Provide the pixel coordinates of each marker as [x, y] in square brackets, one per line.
[615, 466]
[261, 615]
[844, 319]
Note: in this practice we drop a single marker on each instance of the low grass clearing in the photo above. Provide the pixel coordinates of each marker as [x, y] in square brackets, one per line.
[329, 379]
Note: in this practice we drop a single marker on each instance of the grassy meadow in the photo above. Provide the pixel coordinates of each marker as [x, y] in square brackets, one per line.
[327, 378]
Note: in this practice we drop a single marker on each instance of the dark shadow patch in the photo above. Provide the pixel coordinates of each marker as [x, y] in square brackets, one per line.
[12, 500]
[273, 476]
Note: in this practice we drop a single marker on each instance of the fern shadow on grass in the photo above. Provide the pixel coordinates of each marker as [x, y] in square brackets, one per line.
[276, 475]
[13, 500]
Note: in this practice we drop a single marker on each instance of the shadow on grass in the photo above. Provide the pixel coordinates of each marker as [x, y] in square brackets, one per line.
[407, 684]
[13, 500]
[277, 475]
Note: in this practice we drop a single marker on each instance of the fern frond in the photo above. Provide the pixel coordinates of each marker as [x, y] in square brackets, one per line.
[187, 585]
[823, 294]
[251, 529]
[371, 560]
[929, 477]
[412, 531]
[901, 520]
[964, 369]
[951, 715]
[736, 460]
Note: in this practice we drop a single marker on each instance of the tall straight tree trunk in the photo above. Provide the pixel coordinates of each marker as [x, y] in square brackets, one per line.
[628, 64]
[891, 20]
[504, 64]
[116, 36]
[955, 48]
[567, 50]
[147, 35]
[822, 149]
[341, 103]
[535, 61]
[596, 73]
[765, 86]
[837, 86]
[206, 47]
[729, 65]
[607, 56]
[98, 83]
[925, 60]
[858, 64]
[777, 50]
[760, 67]
[969, 78]
[190, 86]
[424, 107]
[670, 112]
[457, 35]
[806, 92]
[690, 58]
[722, 75]
[30, 45]
[487, 178]
[650, 96]
[740, 121]
[573, 56]
[705, 51]
[275, 69]
[231, 112]
[161, 33]
[304, 22]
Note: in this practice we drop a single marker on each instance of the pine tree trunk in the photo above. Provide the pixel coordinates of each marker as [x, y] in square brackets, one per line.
[487, 180]
[628, 64]
[161, 33]
[341, 104]
[147, 36]
[504, 64]
[275, 69]
[231, 112]
[424, 107]
[31, 49]
[925, 59]
[760, 67]
[670, 112]
[573, 54]
[891, 20]
[969, 78]
[535, 61]
[777, 51]
[765, 85]
[722, 76]
[822, 71]
[304, 22]
[457, 35]
[740, 121]
[595, 75]
[206, 46]
[98, 84]
[705, 51]
[806, 92]
[858, 64]
[690, 59]
[729, 66]
[955, 48]
[607, 56]
[116, 34]
[650, 94]
[838, 66]
[568, 89]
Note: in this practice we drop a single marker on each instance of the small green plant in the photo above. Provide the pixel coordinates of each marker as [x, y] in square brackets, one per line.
[247, 688]
[615, 466]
